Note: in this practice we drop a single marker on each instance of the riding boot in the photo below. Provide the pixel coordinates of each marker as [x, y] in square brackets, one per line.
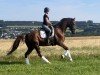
[47, 39]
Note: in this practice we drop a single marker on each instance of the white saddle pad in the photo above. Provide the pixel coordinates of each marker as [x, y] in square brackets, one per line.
[43, 34]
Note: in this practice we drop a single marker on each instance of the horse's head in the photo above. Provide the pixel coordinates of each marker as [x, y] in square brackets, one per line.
[69, 22]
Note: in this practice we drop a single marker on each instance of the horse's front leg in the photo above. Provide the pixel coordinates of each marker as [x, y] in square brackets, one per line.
[66, 52]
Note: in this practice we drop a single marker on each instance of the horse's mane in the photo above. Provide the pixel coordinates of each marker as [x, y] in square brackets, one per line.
[61, 21]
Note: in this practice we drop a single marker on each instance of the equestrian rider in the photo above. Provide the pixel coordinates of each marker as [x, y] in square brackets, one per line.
[46, 23]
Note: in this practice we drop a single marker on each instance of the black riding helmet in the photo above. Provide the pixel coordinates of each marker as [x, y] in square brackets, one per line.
[46, 9]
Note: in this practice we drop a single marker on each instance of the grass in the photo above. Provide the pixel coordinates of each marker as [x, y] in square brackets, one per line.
[82, 65]
[85, 52]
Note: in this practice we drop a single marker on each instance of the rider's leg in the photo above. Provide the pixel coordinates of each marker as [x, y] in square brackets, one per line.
[46, 28]
[48, 31]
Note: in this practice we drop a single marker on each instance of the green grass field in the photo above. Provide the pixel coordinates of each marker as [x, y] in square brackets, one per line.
[83, 64]
[85, 52]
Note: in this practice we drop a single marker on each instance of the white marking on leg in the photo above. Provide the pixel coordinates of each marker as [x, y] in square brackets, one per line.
[27, 61]
[46, 60]
[67, 53]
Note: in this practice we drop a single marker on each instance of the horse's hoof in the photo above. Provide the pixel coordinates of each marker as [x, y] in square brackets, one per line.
[49, 62]
[62, 56]
[27, 63]
[71, 60]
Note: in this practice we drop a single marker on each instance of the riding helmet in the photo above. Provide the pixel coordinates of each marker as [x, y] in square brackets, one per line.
[46, 9]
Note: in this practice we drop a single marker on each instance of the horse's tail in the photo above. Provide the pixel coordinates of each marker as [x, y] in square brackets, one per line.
[16, 43]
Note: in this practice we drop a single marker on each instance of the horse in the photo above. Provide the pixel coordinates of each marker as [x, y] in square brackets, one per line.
[33, 40]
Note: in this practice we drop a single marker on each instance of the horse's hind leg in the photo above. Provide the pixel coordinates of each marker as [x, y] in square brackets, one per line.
[39, 54]
[27, 54]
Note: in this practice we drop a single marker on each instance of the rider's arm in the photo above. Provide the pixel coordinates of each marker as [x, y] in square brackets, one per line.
[48, 22]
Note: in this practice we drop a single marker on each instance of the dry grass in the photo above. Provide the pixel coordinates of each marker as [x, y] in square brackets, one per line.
[78, 45]
[92, 41]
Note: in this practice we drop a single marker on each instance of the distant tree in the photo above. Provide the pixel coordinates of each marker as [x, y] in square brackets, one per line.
[2, 23]
[90, 23]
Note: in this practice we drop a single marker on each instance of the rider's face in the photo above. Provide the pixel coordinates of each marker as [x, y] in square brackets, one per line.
[47, 12]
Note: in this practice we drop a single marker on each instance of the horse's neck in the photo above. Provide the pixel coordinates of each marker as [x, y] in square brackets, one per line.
[61, 27]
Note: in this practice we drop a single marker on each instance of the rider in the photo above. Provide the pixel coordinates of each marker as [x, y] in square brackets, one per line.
[46, 23]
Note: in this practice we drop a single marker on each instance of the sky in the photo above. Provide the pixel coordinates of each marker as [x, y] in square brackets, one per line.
[32, 10]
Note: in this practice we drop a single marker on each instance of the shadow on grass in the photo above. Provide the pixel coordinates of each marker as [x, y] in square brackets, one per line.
[10, 62]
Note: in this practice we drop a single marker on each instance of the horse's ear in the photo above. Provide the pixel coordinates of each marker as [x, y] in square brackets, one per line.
[74, 18]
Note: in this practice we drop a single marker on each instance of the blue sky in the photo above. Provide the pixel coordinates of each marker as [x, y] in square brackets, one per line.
[33, 9]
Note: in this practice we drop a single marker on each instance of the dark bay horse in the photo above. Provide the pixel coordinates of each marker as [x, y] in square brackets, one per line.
[33, 39]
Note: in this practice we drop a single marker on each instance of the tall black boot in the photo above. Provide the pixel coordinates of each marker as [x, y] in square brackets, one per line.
[47, 39]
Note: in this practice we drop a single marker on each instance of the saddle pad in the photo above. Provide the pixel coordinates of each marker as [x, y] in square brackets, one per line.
[42, 34]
